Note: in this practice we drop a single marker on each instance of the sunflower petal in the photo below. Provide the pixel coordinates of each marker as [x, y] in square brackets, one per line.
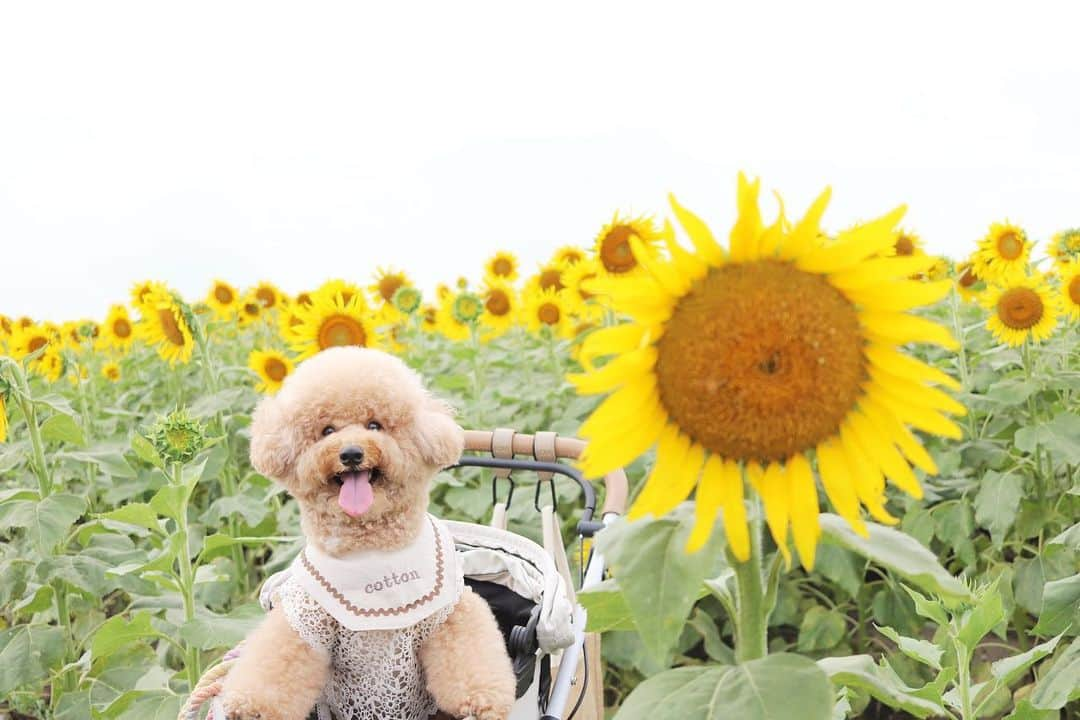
[871, 273]
[596, 462]
[805, 235]
[917, 393]
[900, 295]
[612, 341]
[622, 369]
[699, 233]
[853, 246]
[665, 274]
[738, 535]
[744, 235]
[869, 482]
[900, 328]
[897, 363]
[836, 478]
[661, 492]
[686, 263]
[620, 410]
[776, 496]
[707, 501]
[805, 527]
[909, 445]
[925, 419]
[884, 454]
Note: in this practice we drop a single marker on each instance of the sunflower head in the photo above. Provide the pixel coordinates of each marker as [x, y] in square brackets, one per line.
[502, 266]
[348, 292]
[1069, 300]
[330, 321]
[549, 277]
[1022, 309]
[1003, 253]
[177, 437]
[407, 299]
[968, 283]
[266, 294]
[29, 339]
[612, 249]
[429, 318]
[141, 291]
[500, 308]
[111, 371]
[905, 243]
[745, 364]
[167, 325]
[547, 311]
[272, 367]
[387, 282]
[50, 365]
[467, 308]
[119, 329]
[222, 299]
[1065, 246]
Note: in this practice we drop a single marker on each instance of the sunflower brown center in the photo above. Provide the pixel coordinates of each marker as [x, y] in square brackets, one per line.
[615, 251]
[223, 295]
[497, 303]
[341, 330]
[112, 372]
[1009, 245]
[968, 278]
[275, 369]
[502, 267]
[551, 279]
[389, 285]
[252, 309]
[36, 343]
[303, 299]
[761, 360]
[904, 245]
[1020, 308]
[1074, 289]
[548, 313]
[170, 328]
[266, 297]
[121, 328]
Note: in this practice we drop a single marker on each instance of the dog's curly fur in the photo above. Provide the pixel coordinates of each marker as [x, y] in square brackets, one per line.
[343, 391]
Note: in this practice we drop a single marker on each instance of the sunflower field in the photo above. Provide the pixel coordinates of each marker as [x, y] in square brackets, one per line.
[855, 467]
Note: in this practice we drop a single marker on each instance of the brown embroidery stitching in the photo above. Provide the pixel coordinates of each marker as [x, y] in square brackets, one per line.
[382, 612]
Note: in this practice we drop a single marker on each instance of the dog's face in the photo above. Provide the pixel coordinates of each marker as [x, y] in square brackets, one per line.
[355, 438]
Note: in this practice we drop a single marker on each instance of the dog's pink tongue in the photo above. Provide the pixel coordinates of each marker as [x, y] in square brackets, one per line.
[356, 495]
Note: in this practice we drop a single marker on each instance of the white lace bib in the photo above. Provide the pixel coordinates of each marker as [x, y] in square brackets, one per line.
[384, 590]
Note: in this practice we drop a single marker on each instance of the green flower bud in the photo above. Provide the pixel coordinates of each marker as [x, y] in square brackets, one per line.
[467, 308]
[178, 438]
[407, 299]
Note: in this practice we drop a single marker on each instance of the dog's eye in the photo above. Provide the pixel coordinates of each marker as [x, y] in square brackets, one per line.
[374, 425]
[327, 430]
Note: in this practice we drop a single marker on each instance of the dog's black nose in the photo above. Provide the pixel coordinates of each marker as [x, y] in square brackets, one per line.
[352, 455]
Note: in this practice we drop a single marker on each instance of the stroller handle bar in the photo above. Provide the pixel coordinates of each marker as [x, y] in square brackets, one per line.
[548, 447]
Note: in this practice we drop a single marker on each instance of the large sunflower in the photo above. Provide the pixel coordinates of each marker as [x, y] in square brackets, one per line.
[223, 300]
[613, 247]
[755, 362]
[272, 367]
[502, 265]
[165, 326]
[500, 308]
[330, 321]
[1003, 254]
[1022, 309]
[119, 329]
[1070, 289]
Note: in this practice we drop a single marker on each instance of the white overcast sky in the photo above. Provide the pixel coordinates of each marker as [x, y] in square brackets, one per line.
[299, 141]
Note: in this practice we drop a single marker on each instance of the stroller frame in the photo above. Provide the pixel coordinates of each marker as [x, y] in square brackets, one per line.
[574, 669]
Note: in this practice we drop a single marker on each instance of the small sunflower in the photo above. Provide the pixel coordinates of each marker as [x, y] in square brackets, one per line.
[500, 308]
[165, 326]
[77, 334]
[429, 318]
[905, 244]
[272, 367]
[119, 329]
[330, 321]
[1003, 254]
[140, 292]
[1070, 289]
[968, 283]
[548, 277]
[443, 292]
[568, 255]
[111, 371]
[290, 318]
[50, 365]
[1065, 246]
[28, 339]
[748, 364]
[249, 310]
[387, 282]
[223, 300]
[548, 310]
[268, 295]
[613, 250]
[502, 265]
[407, 299]
[1022, 309]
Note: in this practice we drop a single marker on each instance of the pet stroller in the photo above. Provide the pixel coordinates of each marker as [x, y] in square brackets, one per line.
[529, 586]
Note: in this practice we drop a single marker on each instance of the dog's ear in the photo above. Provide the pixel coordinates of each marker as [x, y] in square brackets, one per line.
[273, 448]
[439, 439]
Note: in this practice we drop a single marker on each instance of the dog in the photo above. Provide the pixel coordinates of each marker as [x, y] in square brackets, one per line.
[355, 438]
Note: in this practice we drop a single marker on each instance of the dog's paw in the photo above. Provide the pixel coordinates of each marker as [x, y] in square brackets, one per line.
[486, 705]
[242, 706]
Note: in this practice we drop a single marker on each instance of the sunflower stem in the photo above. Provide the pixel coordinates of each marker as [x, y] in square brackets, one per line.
[751, 632]
[26, 403]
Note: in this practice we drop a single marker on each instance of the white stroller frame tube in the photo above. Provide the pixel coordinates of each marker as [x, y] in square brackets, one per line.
[560, 687]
